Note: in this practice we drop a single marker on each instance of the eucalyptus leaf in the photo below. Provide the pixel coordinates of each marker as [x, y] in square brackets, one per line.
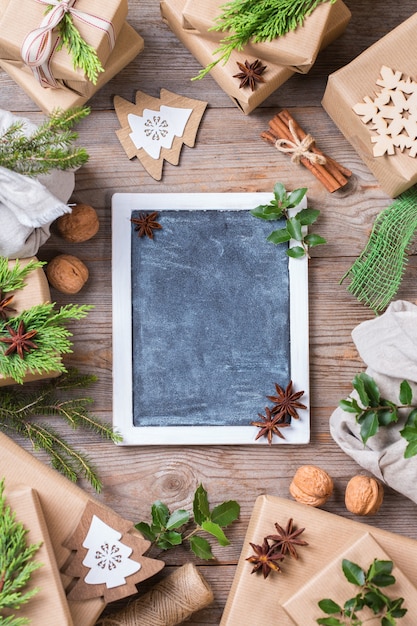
[201, 548]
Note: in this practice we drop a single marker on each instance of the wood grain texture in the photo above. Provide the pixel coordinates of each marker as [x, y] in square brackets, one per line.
[228, 156]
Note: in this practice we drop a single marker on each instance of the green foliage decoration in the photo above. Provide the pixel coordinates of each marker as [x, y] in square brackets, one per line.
[16, 564]
[295, 225]
[49, 147]
[165, 531]
[257, 21]
[370, 595]
[372, 411]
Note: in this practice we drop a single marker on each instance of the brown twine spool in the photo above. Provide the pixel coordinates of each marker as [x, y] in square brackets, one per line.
[169, 603]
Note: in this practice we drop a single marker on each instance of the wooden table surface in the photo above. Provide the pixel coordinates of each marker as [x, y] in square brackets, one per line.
[229, 156]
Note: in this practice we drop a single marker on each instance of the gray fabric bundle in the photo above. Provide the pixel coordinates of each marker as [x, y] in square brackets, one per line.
[388, 346]
[28, 206]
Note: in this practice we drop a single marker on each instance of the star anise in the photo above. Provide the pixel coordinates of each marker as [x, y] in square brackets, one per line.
[286, 402]
[146, 223]
[250, 74]
[4, 306]
[270, 425]
[20, 340]
[287, 538]
[265, 558]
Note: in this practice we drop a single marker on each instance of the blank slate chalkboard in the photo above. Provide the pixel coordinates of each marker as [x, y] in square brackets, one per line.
[202, 320]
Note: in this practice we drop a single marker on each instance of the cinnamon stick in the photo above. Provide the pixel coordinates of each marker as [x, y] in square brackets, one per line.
[331, 174]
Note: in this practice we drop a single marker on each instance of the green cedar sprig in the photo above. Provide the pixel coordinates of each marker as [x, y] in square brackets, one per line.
[295, 225]
[13, 278]
[165, 530]
[48, 147]
[369, 595]
[257, 20]
[373, 411]
[20, 408]
[16, 563]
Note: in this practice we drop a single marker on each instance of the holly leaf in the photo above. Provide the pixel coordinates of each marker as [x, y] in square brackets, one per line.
[296, 252]
[215, 530]
[280, 194]
[330, 621]
[406, 394]
[358, 384]
[369, 425]
[294, 198]
[307, 217]
[160, 514]
[169, 539]
[201, 508]
[280, 235]
[267, 212]
[353, 573]
[350, 406]
[146, 531]
[412, 418]
[177, 518]
[314, 240]
[201, 548]
[409, 432]
[225, 513]
[329, 606]
[294, 228]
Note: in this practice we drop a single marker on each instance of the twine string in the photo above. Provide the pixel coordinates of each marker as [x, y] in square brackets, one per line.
[299, 148]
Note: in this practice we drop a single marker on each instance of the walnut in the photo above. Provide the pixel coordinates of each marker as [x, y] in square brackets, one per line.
[79, 225]
[67, 273]
[311, 485]
[363, 495]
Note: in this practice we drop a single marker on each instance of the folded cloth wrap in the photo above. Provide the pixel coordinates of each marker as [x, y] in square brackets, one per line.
[388, 346]
[28, 206]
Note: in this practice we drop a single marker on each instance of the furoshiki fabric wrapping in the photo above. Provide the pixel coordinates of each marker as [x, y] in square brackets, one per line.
[388, 346]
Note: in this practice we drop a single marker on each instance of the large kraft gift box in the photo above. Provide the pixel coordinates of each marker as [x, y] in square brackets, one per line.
[202, 49]
[129, 44]
[356, 81]
[330, 538]
[20, 17]
[297, 49]
[49, 605]
[36, 291]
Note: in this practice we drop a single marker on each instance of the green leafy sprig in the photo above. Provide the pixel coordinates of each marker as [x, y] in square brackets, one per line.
[295, 225]
[48, 147]
[373, 411]
[20, 407]
[166, 529]
[13, 278]
[369, 595]
[16, 564]
[257, 21]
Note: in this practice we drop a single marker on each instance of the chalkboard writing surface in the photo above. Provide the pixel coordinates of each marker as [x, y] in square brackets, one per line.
[203, 314]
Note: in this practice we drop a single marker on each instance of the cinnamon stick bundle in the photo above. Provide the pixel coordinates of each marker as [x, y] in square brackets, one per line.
[287, 136]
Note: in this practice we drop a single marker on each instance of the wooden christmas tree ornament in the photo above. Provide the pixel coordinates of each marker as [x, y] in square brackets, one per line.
[107, 558]
[155, 129]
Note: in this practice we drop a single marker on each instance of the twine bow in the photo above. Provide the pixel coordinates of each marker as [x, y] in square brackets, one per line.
[37, 48]
[299, 148]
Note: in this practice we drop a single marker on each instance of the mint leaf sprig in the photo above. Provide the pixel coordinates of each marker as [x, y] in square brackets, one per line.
[167, 529]
[295, 225]
[370, 595]
[372, 411]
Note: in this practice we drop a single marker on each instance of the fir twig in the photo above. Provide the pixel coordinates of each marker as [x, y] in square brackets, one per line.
[83, 55]
[19, 408]
[48, 147]
[257, 21]
[16, 563]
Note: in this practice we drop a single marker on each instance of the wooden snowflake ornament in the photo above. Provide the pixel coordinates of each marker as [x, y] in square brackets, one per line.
[154, 129]
[392, 114]
[107, 557]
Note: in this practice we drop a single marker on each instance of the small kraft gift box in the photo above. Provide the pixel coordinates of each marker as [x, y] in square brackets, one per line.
[296, 49]
[203, 48]
[373, 101]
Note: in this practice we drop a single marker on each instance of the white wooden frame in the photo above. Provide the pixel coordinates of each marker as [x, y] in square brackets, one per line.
[122, 207]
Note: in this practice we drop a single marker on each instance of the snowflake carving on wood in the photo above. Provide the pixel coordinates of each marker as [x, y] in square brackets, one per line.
[155, 129]
[392, 114]
[107, 556]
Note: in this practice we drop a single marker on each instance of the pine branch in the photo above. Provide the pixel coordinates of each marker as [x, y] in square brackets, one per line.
[48, 147]
[83, 55]
[16, 562]
[13, 279]
[17, 410]
[257, 21]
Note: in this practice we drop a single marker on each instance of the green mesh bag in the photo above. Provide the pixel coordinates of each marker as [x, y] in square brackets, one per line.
[377, 273]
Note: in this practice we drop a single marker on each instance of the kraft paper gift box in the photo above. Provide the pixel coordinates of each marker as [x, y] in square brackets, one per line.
[128, 46]
[297, 49]
[20, 17]
[49, 605]
[356, 81]
[330, 538]
[202, 48]
[36, 291]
